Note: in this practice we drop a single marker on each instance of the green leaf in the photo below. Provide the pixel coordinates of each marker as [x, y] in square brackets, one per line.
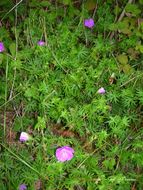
[140, 48]
[124, 66]
[141, 2]
[133, 9]
[113, 27]
[65, 2]
[117, 10]
[123, 59]
[140, 95]
[90, 4]
[31, 92]
[41, 124]
[1, 58]
[12, 49]
[109, 164]
[124, 26]
[44, 3]
[16, 64]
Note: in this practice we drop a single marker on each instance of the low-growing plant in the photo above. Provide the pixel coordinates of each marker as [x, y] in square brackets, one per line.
[71, 96]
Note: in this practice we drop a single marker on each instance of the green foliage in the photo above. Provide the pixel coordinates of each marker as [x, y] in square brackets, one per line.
[51, 91]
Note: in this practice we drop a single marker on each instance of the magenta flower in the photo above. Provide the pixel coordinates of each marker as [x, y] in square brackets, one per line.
[89, 23]
[1, 47]
[24, 137]
[64, 153]
[101, 91]
[41, 43]
[22, 187]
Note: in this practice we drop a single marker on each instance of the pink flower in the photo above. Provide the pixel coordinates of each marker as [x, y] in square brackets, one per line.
[22, 187]
[64, 153]
[89, 23]
[24, 137]
[1, 47]
[101, 90]
[41, 43]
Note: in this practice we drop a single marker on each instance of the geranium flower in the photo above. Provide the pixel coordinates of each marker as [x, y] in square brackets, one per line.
[1, 47]
[22, 187]
[101, 90]
[24, 137]
[89, 23]
[41, 43]
[64, 153]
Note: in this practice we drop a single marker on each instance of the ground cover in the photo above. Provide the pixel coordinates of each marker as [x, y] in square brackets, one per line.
[71, 104]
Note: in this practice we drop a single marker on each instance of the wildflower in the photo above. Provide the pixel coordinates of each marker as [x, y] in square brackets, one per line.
[41, 43]
[89, 23]
[1, 47]
[64, 153]
[24, 137]
[101, 90]
[22, 187]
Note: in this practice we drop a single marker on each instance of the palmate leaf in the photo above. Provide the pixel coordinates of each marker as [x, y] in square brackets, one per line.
[140, 48]
[133, 9]
[123, 59]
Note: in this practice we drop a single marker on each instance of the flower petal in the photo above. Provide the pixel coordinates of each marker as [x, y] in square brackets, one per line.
[64, 153]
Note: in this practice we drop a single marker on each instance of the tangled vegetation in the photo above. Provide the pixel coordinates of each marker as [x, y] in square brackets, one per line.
[71, 81]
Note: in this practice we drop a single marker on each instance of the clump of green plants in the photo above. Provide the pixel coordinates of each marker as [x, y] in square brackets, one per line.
[71, 104]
